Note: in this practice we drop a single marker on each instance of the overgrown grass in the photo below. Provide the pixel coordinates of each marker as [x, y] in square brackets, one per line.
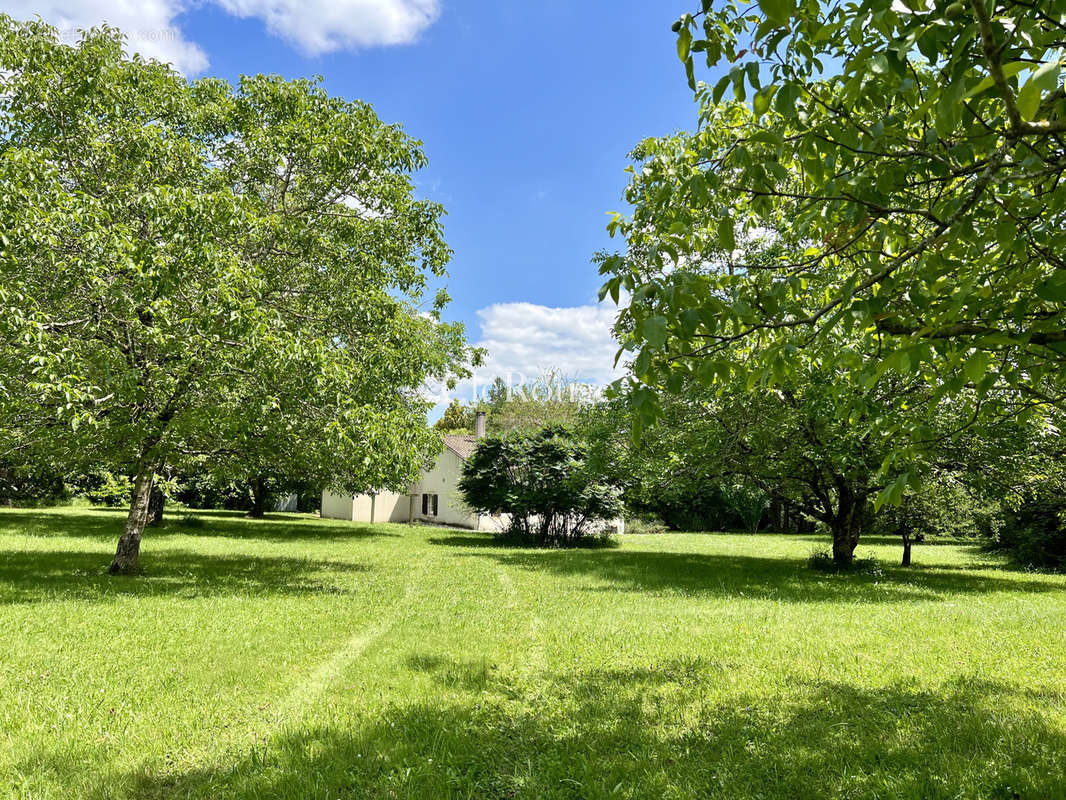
[299, 658]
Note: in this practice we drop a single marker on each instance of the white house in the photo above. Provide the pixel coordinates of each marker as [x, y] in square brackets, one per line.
[434, 498]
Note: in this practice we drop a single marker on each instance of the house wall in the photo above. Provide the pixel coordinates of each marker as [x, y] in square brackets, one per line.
[392, 507]
[443, 481]
[383, 507]
[337, 506]
[362, 506]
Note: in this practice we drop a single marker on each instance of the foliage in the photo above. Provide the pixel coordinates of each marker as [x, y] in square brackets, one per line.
[552, 398]
[667, 473]
[749, 501]
[30, 485]
[543, 482]
[104, 488]
[485, 671]
[196, 273]
[943, 505]
[823, 561]
[791, 443]
[456, 419]
[902, 166]
[1033, 534]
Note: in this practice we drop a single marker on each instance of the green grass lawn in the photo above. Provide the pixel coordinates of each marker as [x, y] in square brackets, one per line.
[300, 658]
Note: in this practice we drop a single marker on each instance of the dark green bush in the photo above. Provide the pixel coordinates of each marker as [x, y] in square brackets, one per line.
[1034, 534]
[26, 486]
[822, 561]
[543, 481]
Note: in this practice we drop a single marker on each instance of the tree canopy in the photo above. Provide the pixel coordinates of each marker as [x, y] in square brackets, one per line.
[190, 267]
[886, 171]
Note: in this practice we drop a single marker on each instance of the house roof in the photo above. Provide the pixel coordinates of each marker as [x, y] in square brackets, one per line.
[462, 446]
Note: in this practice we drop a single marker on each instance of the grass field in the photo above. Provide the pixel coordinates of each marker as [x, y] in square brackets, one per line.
[300, 658]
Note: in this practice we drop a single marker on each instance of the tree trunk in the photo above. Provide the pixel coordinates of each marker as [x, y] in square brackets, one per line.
[156, 502]
[906, 548]
[129, 544]
[259, 498]
[843, 546]
[846, 526]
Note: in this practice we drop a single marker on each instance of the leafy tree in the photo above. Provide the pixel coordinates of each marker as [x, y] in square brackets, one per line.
[944, 505]
[1033, 534]
[553, 398]
[457, 418]
[672, 471]
[749, 501]
[791, 442]
[186, 265]
[543, 482]
[908, 156]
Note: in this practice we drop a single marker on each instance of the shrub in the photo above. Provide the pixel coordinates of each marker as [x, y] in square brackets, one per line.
[1034, 534]
[748, 502]
[645, 523]
[25, 486]
[822, 561]
[104, 488]
[543, 481]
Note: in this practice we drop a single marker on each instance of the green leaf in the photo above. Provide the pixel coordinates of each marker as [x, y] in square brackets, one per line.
[1053, 290]
[654, 329]
[761, 101]
[684, 43]
[976, 366]
[720, 87]
[1043, 80]
[785, 101]
[726, 236]
[778, 12]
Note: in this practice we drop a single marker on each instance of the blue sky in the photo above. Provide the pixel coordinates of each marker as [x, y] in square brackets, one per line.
[526, 109]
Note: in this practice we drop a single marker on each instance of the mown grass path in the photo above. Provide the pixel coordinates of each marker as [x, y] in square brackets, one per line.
[300, 658]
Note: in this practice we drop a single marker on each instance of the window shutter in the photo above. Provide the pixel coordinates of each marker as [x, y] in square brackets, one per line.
[425, 504]
[434, 505]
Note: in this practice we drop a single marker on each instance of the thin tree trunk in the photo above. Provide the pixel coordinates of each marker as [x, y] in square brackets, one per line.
[129, 544]
[156, 503]
[906, 548]
[259, 498]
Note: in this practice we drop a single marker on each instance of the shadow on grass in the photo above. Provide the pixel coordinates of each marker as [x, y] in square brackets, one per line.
[621, 733]
[107, 522]
[34, 576]
[506, 542]
[782, 579]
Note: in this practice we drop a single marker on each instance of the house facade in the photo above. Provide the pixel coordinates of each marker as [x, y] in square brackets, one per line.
[433, 499]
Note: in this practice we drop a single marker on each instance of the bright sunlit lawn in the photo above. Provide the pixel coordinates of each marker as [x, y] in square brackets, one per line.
[300, 658]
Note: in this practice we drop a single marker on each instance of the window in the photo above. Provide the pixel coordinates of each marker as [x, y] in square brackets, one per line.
[429, 505]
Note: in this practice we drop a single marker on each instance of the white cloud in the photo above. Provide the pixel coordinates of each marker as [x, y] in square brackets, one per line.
[148, 24]
[314, 26]
[527, 339]
[323, 26]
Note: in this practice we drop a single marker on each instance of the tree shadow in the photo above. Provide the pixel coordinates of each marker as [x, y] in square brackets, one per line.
[781, 579]
[107, 523]
[652, 732]
[35, 576]
[474, 540]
